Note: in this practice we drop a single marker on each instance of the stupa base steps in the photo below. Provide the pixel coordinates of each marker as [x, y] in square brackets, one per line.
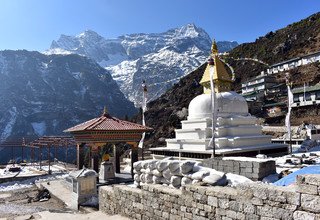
[250, 151]
[226, 142]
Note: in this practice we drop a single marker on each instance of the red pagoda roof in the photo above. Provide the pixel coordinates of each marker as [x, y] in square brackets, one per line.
[107, 123]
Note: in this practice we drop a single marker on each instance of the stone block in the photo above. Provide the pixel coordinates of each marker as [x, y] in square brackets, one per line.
[256, 201]
[310, 203]
[213, 201]
[312, 179]
[249, 208]
[252, 217]
[301, 215]
[197, 217]
[220, 211]
[265, 210]
[307, 189]
[222, 192]
[236, 206]
[165, 215]
[240, 216]
[231, 214]
[223, 203]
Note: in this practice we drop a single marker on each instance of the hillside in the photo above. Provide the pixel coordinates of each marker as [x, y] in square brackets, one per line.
[166, 112]
[296, 39]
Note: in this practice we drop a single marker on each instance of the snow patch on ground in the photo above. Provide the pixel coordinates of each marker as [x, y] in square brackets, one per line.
[234, 179]
[14, 185]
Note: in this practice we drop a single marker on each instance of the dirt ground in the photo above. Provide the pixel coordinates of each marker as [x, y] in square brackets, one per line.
[16, 205]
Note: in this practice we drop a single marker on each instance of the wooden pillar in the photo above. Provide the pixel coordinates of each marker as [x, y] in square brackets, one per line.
[40, 148]
[134, 156]
[55, 152]
[116, 155]
[77, 154]
[22, 153]
[95, 158]
[49, 172]
[80, 155]
[12, 153]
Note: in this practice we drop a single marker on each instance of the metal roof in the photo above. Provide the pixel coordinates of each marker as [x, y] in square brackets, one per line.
[307, 89]
[108, 123]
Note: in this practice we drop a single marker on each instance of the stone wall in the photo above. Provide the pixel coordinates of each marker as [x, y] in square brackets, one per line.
[252, 169]
[245, 201]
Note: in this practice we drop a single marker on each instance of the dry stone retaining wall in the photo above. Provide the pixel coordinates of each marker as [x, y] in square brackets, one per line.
[245, 201]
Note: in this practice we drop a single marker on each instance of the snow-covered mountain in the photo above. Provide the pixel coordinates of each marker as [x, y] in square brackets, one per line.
[45, 94]
[160, 59]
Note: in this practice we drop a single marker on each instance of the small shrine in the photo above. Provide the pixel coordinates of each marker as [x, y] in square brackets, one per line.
[103, 130]
[236, 132]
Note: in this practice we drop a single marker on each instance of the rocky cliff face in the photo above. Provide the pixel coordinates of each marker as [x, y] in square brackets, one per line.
[160, 59]
[45, 94]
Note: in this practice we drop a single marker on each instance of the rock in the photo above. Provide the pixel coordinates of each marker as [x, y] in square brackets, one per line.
[199, 175]
[156, 173]
[167, 174]
[186, 181]
[175, 181]
[174, 165]
[215, 180]
[137, 165]
[176, 172]
[187, 166]
[162, 165]
[149, 178]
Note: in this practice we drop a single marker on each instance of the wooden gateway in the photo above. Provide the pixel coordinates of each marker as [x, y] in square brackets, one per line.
[106, 129]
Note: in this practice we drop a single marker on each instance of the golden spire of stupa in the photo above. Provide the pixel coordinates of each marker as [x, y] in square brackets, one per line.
[221, 78]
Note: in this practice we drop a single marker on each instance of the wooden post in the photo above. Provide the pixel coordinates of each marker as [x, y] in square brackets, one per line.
[22, 153]
[49, 172]
[12, 153]
[95, 158]
[134, 156]
[40, 148]
[55, 151]
[67, 155]
[116, 159]
[80, 155]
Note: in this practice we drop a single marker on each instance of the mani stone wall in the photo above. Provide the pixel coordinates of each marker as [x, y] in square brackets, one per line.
[252, 168]
[246, 201]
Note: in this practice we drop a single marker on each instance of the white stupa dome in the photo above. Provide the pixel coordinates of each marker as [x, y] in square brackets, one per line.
[229, 103]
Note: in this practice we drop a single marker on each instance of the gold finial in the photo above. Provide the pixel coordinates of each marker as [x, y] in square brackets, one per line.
[105, 110]
[221, 77]
[214, 47]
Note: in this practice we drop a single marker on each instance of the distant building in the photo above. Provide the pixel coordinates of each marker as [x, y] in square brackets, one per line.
[310, 95]
[255, 88]
[293, 63]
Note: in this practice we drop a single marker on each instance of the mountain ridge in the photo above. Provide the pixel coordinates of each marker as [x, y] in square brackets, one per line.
[45, 94]
[158, 58]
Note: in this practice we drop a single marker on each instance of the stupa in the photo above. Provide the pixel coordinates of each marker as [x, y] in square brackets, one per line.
[236, 131]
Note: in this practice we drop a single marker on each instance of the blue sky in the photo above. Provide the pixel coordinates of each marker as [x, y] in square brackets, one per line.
[33, 24]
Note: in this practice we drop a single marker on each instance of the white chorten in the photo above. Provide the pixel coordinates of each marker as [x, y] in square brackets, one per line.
[236, 131]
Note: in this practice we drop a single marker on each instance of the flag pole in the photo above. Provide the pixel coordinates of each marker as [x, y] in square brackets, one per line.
[287, 120]
[144, 108]
[213, 107]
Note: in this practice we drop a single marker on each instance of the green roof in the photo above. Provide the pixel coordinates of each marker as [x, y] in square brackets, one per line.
[275, 104]
[308, 89]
